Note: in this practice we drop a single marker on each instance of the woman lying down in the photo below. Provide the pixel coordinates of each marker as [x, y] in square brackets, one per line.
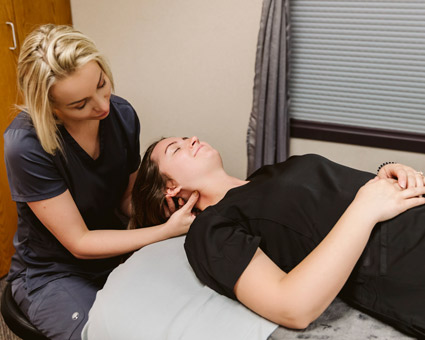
[294, 235]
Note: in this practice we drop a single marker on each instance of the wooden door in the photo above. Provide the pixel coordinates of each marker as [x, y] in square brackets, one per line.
[25, 15]
[8, 90]
[31, 14]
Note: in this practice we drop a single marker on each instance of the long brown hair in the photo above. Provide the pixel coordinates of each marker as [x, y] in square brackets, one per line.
[148, 195]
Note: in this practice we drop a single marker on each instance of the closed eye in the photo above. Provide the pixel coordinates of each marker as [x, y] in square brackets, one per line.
[82, 106]
[178, 148]
[101, 85]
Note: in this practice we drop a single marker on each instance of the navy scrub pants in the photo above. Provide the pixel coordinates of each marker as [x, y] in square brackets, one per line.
[60, 308]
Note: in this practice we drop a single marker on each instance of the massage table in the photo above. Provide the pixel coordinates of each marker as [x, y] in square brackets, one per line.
[155, 295]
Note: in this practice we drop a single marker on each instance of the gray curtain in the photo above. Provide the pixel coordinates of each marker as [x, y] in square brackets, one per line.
[268, 130]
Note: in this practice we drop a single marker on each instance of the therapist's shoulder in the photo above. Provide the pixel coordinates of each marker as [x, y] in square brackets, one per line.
[22, 121]
[123, 110]
[121, 104]
[21, 134]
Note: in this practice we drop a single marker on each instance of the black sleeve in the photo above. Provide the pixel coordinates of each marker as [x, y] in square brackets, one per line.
[219, 250]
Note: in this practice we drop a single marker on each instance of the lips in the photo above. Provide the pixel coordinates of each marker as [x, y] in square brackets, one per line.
[197, 150]
[103, 115]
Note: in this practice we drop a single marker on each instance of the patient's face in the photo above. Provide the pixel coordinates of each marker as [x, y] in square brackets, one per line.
[187, 161]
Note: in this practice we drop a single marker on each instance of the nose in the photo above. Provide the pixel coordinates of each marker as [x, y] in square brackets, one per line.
[193, 141]
[101, 103]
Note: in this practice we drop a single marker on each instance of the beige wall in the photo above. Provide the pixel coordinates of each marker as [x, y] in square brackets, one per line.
[187, 66]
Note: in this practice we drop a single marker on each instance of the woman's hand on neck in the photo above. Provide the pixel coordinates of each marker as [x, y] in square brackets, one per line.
[215, 190]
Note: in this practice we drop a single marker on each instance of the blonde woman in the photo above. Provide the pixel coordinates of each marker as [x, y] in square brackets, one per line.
[72, 156]
[294, 235]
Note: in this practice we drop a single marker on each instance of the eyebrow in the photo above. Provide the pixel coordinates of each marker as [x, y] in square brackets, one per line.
[183, 138]
[169, 146]
[81, 100]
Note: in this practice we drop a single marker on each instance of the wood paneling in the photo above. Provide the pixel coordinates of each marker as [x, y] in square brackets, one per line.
[8, 59]
[31, 14]
[25, 15]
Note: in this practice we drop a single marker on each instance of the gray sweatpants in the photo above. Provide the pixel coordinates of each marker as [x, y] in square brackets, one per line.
[60, 308]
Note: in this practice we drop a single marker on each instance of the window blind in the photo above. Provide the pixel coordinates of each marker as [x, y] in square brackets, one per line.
[358, 63]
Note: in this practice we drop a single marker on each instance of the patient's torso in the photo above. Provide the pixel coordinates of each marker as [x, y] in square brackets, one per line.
[286, 209]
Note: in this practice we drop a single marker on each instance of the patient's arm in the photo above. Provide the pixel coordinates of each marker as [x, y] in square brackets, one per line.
[297, 298]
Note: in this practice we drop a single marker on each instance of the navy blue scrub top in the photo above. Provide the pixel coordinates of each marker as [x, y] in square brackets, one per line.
[97, 187]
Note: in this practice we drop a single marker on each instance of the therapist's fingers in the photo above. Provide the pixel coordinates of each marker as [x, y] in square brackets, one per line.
[167, 211]
[191, 201]
[181, 202]
[170, 207]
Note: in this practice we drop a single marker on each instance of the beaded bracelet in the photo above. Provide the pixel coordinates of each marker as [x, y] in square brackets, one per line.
[383, 164]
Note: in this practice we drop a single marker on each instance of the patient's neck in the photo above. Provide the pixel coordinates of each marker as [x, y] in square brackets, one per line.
[216, 188]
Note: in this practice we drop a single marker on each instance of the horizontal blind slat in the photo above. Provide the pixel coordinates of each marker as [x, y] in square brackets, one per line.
[361, 101]
[364, 91]
[402, 85]
[356, 105]
[358, 63]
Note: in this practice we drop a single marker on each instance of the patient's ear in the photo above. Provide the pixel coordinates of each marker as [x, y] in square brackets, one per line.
[172, 189]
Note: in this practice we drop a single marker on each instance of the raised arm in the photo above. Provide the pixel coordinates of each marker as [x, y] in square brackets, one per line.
[297, 298]
[61, 217]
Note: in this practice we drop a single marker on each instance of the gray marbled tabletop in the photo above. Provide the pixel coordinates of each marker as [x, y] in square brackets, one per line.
[342, 322]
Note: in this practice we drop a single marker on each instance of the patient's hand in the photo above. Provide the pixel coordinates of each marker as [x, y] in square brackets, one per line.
[406, 176]
[383, 199]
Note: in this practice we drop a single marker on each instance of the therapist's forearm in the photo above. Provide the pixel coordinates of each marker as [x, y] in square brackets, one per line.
[97, 244]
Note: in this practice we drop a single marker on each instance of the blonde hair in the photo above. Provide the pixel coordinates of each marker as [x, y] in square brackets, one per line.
[48, 54]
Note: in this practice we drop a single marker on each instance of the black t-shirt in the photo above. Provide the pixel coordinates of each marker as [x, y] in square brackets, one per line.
[97, 187]
[286, 209]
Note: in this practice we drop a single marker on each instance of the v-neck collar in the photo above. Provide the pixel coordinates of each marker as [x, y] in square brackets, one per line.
[77, 147]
